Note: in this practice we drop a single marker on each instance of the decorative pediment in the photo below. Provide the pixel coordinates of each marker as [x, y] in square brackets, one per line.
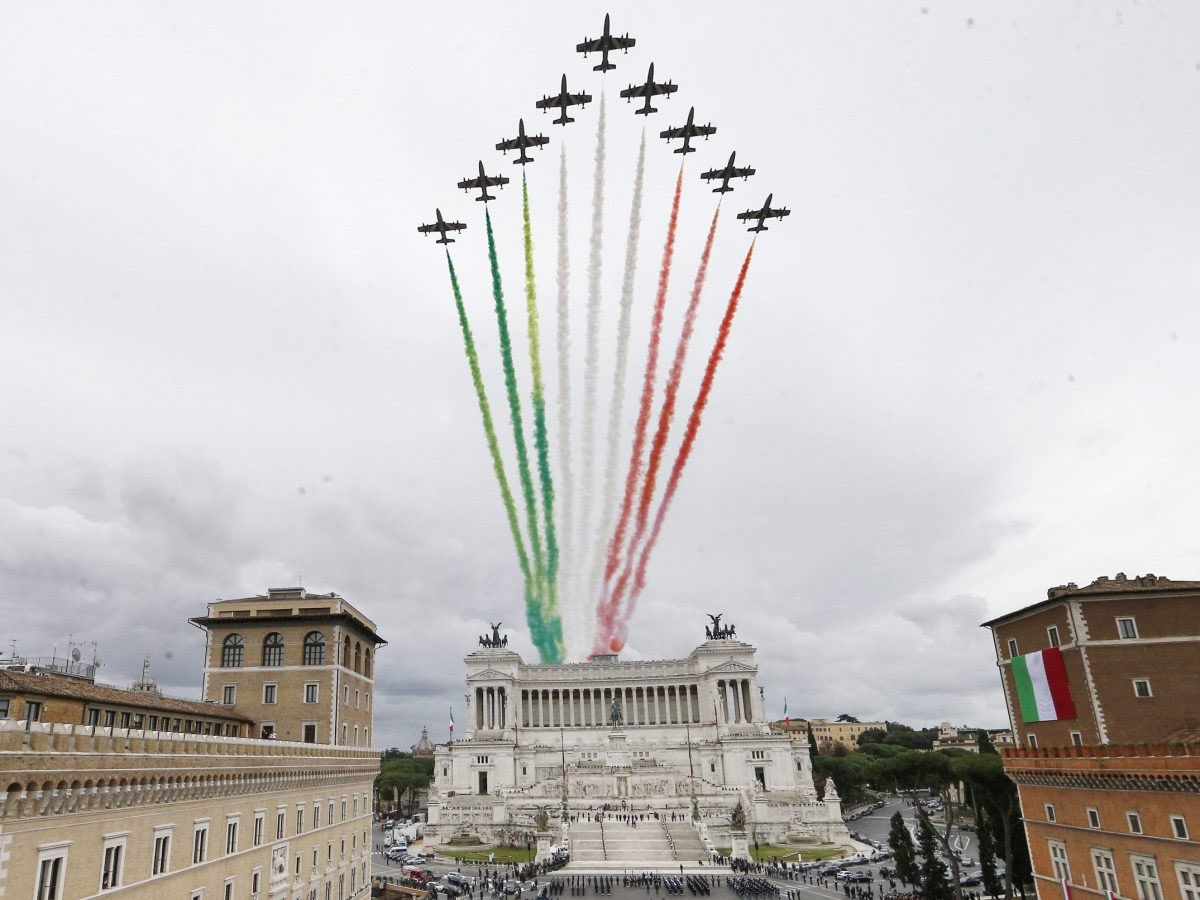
[731, 666]
[490, 675]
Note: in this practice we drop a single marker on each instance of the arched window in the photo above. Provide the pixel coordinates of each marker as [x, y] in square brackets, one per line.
[367, 663]
[357, 656]
[346, 655]
[273, 649]
[314, 649]
[233, 651]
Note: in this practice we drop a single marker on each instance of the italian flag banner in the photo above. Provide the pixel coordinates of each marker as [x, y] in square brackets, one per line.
[1042, 687]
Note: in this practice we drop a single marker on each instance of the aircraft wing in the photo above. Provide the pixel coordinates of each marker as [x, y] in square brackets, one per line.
[547, 102]
[635, 90]
[621, 43]
[752, 214]
[778, 213]
[595, 45]
[704, 129]
[681, 131]
[427, 229]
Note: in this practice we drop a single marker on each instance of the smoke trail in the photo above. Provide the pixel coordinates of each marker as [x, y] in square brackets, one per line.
[592, 353]
[532, 613]
[541, 441]
[565, 480]
[616, 408]
[685, 449]
[605, 612]
[537, 573]
[666, 412]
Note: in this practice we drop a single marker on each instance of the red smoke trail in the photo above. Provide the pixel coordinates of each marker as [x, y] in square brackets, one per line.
[685, 449]
[666, 413]
[605, 611]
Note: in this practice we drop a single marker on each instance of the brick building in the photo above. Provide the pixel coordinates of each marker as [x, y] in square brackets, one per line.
[1102, 685]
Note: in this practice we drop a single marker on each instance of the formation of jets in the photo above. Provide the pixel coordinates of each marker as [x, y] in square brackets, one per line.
[564, 100]
[561, 101]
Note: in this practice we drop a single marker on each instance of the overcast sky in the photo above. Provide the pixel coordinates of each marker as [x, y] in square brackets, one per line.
[964, 369]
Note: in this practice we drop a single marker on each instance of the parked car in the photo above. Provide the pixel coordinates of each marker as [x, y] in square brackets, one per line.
[857, 876]
[458, 880]
[971, 880]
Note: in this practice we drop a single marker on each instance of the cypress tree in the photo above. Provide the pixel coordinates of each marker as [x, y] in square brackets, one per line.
[903, 852]
[935, 884]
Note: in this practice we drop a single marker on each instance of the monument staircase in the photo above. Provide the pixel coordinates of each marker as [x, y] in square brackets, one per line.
[613, 845]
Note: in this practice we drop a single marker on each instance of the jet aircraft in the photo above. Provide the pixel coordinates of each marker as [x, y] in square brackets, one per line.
[561, 101]
[763, 214]
[442, 226]
[483, 182]
[650, 89]
[687, 131]
[730, 171]
[520, 142]
[604, 44]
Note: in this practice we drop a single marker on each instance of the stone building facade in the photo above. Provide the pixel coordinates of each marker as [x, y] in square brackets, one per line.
[299, 664]
[150, 812]
[1111, 793]
[642, 735]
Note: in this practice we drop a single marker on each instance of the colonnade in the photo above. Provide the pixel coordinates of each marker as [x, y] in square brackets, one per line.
[735, 701]
[572, 707]
[491, 707]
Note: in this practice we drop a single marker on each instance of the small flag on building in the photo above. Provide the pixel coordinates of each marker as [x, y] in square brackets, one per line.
[786, 720]
[1042, 689]
[452, 723]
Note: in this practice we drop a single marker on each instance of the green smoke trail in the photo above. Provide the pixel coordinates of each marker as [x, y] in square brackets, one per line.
[550, 615]
[489, 430]
[538, 631]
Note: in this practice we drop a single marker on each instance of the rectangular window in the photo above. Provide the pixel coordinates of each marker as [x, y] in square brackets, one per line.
[1032, 739]
[1135, 822]
[279, 824]
[310, 732]
[33, 710]
[231, 837]
[258, 828]
[317, 816]
[1050, 812]
[93, 715]
[345, 695]
[1145, 876]
[124, 720]
[200, 845]
[1127, 629]
[160, 864]
[51, 874]
[268, 731]
[1093, 817]
[1052, 635]
[229, 890]
[1058, 860]
[1012, 648]
[311, 693]
[1106, 870]
[114, 861]
[1076, 738]
[154, 723]
[269, 691]
[110, 718]
[343, 809]
[1189, 880]
[255, 881]
[1179, 827]
[229, 694]
[300, 820]
[329, 817]
[356, 699]
[1141, 687]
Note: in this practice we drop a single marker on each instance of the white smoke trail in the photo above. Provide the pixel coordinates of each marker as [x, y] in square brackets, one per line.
[567, 548]
[591, 358]
[618, 390]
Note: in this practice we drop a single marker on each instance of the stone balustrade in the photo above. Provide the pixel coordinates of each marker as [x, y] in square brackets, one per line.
[53, 768]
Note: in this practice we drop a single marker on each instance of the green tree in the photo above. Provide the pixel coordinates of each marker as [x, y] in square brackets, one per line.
[402, 774]
[996, 795]
[872, 736]
[812, 743]
[985, 742]
[846, 717]
[935, 884]
[987, 852]
[904, 853]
